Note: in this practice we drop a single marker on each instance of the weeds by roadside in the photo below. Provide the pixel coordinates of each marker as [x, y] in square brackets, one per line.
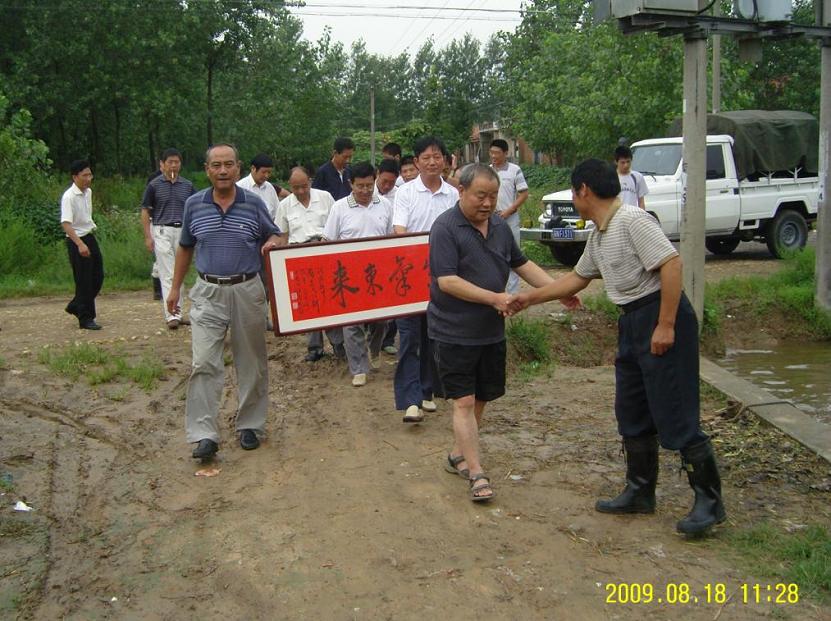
[789, 291]
[801, 557]
[100, 366]
[530, 345]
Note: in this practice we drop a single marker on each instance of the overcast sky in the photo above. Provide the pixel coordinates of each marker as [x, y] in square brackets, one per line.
[390, 27]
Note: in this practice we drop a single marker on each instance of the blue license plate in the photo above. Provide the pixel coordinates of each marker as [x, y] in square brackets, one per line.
[558, 234]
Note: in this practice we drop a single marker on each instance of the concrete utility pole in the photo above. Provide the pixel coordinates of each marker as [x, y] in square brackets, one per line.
[695, 170]
[823, 265]
[716, 65]
[372, 125]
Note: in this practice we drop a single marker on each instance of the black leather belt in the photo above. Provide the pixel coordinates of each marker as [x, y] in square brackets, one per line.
[233, 279]
[175, 225]
[641, 302]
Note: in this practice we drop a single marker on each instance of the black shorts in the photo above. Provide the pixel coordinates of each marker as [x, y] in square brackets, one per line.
[464, 370]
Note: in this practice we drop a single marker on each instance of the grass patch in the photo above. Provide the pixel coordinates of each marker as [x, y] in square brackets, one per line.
[3, 364]
[802, 557]
[790, 291]
[99, 366]
[529, 341]
[538, 253]
[601, 304]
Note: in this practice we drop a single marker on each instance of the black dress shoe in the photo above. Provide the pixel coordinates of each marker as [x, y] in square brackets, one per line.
[248, 439]
[205, 448]
[314, 355]
[90, 325]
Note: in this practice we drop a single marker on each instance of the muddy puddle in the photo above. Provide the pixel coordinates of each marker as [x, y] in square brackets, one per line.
[798, 372]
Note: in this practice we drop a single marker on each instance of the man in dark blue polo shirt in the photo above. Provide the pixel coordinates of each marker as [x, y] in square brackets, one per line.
[163, 203]
[334, 176]
[227, 228]
[472, 251]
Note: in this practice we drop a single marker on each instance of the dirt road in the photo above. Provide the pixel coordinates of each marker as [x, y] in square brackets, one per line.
[344, 512]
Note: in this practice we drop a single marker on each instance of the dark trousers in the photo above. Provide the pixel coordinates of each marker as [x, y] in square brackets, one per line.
[658, 394]
[413, 381]
[88, 273]
[389, 336]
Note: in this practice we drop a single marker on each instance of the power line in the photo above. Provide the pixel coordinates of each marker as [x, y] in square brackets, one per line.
[411, 17]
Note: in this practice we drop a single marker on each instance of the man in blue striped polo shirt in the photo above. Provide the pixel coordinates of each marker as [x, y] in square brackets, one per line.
[164, 202]
[227, 228]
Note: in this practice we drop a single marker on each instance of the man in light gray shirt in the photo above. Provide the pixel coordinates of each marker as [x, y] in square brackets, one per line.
[513, 192]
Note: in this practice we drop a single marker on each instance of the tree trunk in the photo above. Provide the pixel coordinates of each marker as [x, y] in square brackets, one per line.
[210, 103]
[93, 135]
[117, 113]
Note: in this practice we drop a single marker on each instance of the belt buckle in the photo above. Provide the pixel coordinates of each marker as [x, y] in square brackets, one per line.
[223, 280]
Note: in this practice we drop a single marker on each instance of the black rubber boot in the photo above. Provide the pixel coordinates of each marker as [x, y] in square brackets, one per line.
[157, 289]
[641, 476]
[702, 471]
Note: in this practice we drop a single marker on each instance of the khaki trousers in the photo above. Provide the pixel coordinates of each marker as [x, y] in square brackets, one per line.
[215, 309]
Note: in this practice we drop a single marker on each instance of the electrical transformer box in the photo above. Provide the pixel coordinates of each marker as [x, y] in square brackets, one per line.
[627, 8]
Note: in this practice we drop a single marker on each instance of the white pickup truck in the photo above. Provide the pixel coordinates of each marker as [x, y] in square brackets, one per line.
[778, 208]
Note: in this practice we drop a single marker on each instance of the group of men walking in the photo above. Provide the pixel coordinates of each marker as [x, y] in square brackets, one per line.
[458, 349]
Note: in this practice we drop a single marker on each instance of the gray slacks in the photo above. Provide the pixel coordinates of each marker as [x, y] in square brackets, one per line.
[355, 343]
[214, 310]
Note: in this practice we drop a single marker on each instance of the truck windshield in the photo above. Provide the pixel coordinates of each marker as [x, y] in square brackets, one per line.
[656, 159]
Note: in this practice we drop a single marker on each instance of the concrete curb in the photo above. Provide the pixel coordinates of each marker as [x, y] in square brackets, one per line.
[785, 416]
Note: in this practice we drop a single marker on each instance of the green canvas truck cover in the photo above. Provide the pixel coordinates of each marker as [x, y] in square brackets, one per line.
[766, 141]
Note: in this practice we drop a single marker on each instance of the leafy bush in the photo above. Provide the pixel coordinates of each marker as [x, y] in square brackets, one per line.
[549, 178]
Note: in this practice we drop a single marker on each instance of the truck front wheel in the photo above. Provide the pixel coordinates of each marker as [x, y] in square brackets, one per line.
[721, 245]
[567, 254]
[787, 232]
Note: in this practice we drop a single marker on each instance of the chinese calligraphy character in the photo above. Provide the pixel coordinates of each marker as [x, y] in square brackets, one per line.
[341, 287]
[369, 275]
[399, 275]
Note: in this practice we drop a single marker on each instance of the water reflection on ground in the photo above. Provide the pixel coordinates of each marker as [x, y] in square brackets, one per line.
[799, 372]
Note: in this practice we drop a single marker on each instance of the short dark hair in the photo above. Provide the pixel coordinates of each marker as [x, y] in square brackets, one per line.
[170, 152]
[342, 144]
[393, 148]
[425, 142]
[362, 169]
[261, 160]
[471, 171]
[407, 159]
[78, 166]
[500, 144]
[599, 176]
[623, 153]
[388, 166]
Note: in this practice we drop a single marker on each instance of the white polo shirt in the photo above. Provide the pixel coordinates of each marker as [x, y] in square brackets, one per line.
[303, 223]
[417, 207]
[76, 208]
[265, 191]
[349, 220]
[390, 196]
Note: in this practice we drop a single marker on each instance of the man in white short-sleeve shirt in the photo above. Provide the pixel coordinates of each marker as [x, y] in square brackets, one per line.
[513, 192]
[84, 254]
[303, 213]
[360, 214]
[257, 182]
[301, 216]
[417, 205]
[632, 184]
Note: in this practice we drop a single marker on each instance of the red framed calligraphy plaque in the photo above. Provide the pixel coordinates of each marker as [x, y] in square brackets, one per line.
[329, 284]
